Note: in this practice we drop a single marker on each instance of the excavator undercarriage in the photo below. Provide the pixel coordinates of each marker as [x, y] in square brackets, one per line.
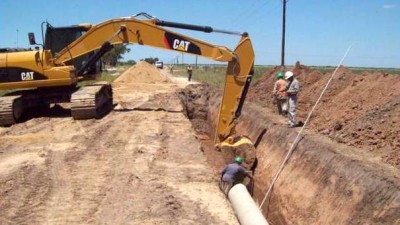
[92, 101]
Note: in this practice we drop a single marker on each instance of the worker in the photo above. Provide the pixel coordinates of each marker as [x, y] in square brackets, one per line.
[171, 69]
[280, 95]
[233, 174]
[189, 71]
[292, 89]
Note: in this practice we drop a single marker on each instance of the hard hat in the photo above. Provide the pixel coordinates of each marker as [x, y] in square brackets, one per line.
[238, 159]
[279, 75]
[288, 75]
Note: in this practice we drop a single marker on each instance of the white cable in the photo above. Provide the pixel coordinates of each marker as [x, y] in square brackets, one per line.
[301, 130]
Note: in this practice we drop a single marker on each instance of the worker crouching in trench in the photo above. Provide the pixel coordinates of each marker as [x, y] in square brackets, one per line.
[233, 174]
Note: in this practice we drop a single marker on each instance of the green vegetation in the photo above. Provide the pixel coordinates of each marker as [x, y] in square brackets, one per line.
[356, 70]
[214, 74]
[107, 75]
[3, 92]
[115, 54]
[150, 60]
[359, 70]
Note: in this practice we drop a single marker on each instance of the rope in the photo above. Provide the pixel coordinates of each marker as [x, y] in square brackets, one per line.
[301, 130]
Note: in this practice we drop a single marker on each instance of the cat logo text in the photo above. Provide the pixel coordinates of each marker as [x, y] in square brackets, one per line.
[181, 45]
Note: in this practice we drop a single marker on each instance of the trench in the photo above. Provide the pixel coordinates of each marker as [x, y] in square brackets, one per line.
[324, 182]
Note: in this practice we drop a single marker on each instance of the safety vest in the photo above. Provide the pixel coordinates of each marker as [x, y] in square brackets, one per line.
[281, 88]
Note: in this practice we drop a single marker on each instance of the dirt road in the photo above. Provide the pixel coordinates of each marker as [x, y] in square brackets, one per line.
[141, 164]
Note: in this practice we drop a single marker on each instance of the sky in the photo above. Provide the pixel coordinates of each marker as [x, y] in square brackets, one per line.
[318, 33]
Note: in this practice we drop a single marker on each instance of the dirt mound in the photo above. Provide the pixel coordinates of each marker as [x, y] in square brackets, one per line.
[142, 72]
[360, 110]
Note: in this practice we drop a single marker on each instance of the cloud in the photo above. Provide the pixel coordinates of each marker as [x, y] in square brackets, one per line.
[389, 6]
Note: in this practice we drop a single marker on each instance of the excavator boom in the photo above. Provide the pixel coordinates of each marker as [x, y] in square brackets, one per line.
[46, 70]
[131, 30]
[148, 32]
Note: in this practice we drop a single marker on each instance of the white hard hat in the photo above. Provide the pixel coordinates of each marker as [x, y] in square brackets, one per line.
[288, 75]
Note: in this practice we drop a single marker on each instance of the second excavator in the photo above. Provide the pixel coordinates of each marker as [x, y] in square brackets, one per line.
[44, 77]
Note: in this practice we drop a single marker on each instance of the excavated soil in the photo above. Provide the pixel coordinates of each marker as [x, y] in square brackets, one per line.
[141, 164]
[345, 169]
[360, 110]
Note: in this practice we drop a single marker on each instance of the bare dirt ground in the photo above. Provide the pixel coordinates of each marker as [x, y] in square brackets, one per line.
[141, 164]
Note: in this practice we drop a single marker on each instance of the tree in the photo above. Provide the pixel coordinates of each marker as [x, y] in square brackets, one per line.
[114, 55]
[150, 60]
[130, 62]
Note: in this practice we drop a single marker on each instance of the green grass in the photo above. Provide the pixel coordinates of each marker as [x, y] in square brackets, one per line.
[214, 74]
[356, 70]
[3, 92]
[104, 76]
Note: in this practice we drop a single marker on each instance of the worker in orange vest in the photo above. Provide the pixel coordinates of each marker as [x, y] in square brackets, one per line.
[280, 94]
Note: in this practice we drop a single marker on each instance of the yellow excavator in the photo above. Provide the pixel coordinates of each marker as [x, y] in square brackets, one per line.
[44, 77]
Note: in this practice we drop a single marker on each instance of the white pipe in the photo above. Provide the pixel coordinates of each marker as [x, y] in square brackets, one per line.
[244, 206]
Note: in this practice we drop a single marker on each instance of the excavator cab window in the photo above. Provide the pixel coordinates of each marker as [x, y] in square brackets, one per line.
[57, 38]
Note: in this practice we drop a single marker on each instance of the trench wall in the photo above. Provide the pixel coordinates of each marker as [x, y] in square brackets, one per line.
[323, 182]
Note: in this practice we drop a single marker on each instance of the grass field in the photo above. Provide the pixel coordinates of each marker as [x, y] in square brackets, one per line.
[104, 76]
[215, 74]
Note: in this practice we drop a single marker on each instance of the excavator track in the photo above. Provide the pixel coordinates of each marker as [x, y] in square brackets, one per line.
[10, 109]
[91, 101]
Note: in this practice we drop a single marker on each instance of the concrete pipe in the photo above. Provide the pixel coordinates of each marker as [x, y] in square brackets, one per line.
[244, 206]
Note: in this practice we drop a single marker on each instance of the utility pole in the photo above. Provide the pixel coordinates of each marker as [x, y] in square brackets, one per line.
[283, 32]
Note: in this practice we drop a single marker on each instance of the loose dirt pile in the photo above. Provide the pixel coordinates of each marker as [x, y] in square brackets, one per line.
[142, 72]
[140, 164]
[360, 110]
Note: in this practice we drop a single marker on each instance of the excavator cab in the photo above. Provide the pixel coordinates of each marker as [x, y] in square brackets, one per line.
[57, 38]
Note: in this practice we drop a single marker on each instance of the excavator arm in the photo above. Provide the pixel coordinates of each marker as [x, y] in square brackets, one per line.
[143, 32]
[54, 73]
[150, 32]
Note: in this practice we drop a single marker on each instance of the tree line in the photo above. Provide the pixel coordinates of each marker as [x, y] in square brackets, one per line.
[114, 56]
